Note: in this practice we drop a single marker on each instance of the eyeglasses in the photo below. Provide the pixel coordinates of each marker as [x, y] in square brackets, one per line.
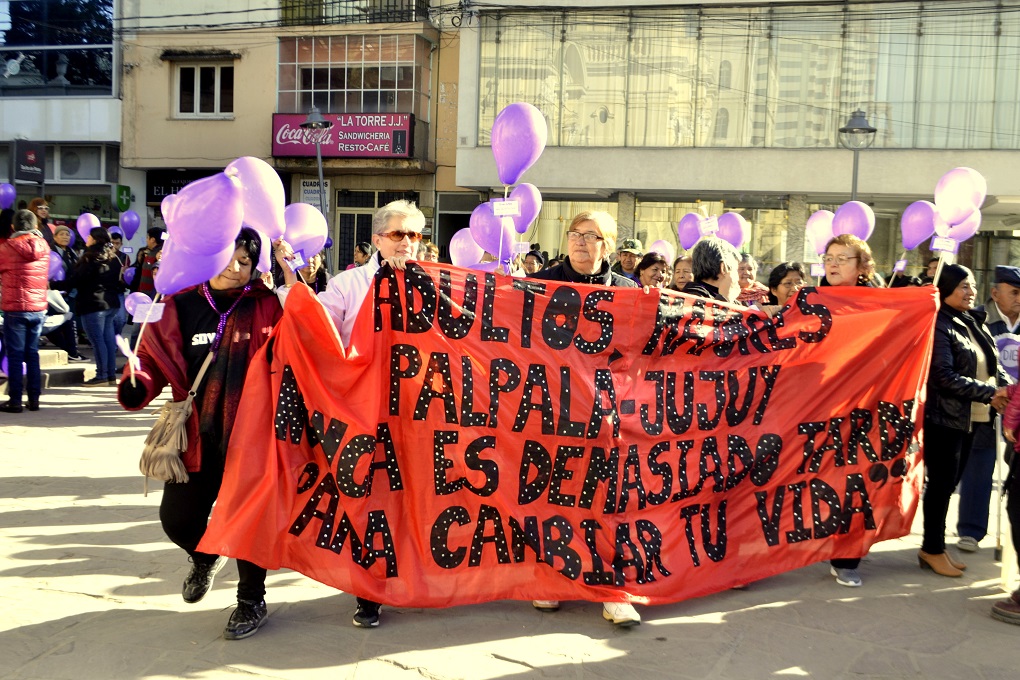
[588, 236]
[398, 236]
[43, 207]
[839, 259]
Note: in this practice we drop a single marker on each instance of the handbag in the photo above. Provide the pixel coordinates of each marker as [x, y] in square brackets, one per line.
[168, 439]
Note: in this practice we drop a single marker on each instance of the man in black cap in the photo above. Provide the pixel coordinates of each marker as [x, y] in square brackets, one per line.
[534, 262]
[1001, 316]
[627, 257]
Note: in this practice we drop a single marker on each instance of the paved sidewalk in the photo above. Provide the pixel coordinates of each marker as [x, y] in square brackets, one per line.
[90, 588]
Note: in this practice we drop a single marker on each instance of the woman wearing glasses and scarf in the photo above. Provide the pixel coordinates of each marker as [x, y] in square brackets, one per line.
[591, 236]
[230, 316]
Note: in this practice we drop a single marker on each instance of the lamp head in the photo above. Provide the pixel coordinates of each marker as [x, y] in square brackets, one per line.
[857, 133]
[315, 121]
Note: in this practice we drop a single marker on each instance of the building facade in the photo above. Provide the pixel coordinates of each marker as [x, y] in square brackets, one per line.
[59, 104]
[660, 108]
[238, 79]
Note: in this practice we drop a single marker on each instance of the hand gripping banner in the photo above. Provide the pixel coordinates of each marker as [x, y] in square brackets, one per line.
[496, 438]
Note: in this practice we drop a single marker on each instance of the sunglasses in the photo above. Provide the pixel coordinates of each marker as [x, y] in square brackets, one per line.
[398, 236]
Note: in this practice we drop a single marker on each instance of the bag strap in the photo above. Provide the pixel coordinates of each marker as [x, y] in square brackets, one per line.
[198, 379]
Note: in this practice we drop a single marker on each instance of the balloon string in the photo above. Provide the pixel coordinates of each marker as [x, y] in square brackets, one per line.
[938, 270]
[141, 331]
[892, 278]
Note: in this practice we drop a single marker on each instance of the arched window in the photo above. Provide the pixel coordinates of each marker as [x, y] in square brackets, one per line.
[722, 124]
[725, 75]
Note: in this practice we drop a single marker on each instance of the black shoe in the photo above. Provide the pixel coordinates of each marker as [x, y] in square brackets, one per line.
[367, 615]
[246, 619]
[200, 579]
[11, 406]
[95, 382]
[33, 404]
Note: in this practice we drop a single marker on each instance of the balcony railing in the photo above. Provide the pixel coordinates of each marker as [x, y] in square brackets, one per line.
[56, 72]
[306, 12]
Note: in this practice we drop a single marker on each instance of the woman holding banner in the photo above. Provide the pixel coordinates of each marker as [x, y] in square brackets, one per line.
[962, 382]
[238, 310]
[848, 262]
[591, 236]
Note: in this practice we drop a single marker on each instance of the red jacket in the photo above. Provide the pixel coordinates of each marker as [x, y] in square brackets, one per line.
[24, 273]
[162, 363]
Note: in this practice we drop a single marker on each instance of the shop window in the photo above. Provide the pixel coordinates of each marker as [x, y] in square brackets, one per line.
[205, 91]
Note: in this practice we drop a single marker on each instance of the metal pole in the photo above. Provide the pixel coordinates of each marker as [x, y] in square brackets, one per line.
[853, 187]
[322, 190]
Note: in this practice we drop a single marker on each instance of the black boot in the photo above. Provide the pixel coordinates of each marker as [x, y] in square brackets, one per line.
[11, 406]
[200, 579]
[246, 619]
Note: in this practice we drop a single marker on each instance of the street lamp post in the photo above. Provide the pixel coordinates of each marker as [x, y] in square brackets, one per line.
[857, 134]
[316, 122]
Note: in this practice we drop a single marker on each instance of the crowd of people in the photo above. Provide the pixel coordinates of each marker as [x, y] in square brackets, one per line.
[222, 324]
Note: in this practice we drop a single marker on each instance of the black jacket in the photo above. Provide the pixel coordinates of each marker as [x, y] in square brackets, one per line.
[604, 277]
[951, 382]
[98, 283]
[705, 290]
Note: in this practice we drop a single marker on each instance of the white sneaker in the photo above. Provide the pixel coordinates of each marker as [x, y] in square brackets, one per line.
[850, 578]
[621, 614]
[546, 605]
[967, 544]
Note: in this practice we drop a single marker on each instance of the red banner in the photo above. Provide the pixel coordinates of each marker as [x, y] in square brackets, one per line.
[497, 438]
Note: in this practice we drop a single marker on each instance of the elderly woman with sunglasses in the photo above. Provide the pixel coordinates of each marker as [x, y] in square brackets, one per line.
[396, 231]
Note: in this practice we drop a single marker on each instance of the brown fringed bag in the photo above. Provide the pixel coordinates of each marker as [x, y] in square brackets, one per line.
[168, 439]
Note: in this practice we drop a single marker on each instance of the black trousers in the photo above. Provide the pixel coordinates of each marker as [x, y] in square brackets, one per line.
[945, 455]
[184, 512]
[1013, 501]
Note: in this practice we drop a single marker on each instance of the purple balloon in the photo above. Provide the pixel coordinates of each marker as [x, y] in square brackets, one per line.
[529, 203]
[179, 269]
[917, 224]
[519, 134]
[819, 230]
[689, 230]
[57, 270]
[484, 266]
[129, 222]
[733, 229]
[329, 242]
[855, 218]
[129, 275]
[132, 301]
[166, 208]
[464, 252]
[959, 193]
[86, 223]
[306, 228]
[7, 195]
[263, 195]
[664, 248]
[964, 230]
[492, 233]
[207, 216]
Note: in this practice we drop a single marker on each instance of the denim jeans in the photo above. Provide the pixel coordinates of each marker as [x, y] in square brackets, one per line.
[120, 318]
[976, 484]
[99, 326]
[21, 340]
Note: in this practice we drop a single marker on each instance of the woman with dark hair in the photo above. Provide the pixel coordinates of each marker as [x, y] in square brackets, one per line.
[230, 316]
[97, 278]
[752, 292]
[651, 270]
[42, 213]
[964, 378]
[683, 273]
[784, 282]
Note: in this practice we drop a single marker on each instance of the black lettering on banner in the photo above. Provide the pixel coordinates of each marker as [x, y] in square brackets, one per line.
[599, 410]
[560, 318]
[598, 576]
[491, 332]
[650, 539]
[820, 311]
[468, 416]
[678, 422]
[391, 299]
[497, 368]
[457, 325]
[417, 280]
[800, 532]
[525, 536]
[352, 452]
[440, 463]
[472, 461]
[565, 427]
[895, 427]
[389, 462]
[829, 514]
[602, 317]
[413, 357]
[560, 474]
[536, 380]
[440, 534]
[769, 374]
[535, 457]
[308, 477]
[860, 428]
[603, 468]
[488, 514]
[557, 547]
[291, 412]
[328, 438]
[654, 428]
[530, 289]
[631, 480]
[833, 443]
[704, 421]
[855, 487]
[663, 470]
[439, 366]
[327, 487]
[489, 468]
[715, 550]
[620, 562]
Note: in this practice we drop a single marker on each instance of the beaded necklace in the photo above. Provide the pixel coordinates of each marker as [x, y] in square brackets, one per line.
[223, 315]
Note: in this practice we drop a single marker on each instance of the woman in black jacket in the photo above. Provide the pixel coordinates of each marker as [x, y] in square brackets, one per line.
[97, 278]
[963, 379]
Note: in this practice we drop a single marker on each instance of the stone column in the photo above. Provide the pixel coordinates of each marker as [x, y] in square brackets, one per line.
[625, 215]
[796, 221]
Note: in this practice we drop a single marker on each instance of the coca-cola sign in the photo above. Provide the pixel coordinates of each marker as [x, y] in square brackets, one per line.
[353, 135]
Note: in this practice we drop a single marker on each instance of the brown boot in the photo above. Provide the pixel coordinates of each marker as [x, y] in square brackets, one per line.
[956, 563]
[1007, 610]
[938, 563]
